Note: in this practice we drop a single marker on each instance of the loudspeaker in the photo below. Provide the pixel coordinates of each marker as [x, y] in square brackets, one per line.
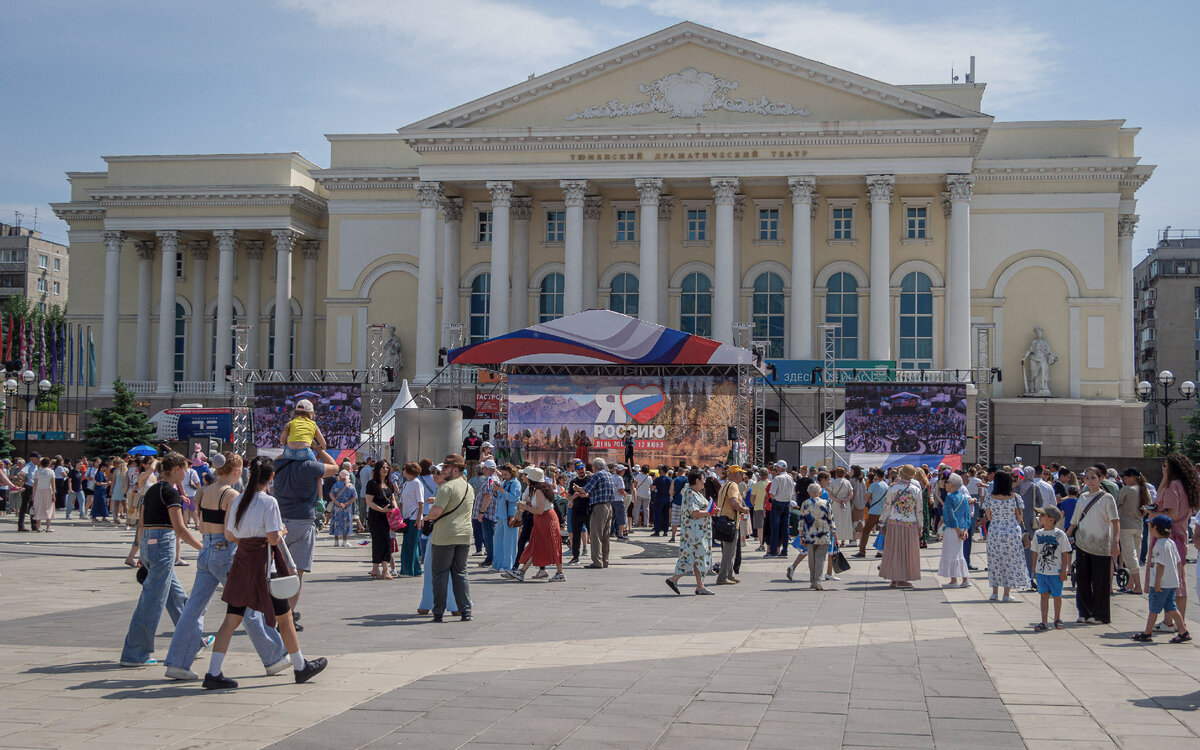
[732, 434]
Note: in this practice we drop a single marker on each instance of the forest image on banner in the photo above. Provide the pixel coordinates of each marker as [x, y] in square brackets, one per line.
[671, 418]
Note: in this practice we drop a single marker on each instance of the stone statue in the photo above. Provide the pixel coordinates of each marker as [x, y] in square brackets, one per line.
[393, 357]
[1039, 358]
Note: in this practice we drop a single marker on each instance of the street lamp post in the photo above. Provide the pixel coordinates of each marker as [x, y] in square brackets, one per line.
[1148, 393]
[12, 388]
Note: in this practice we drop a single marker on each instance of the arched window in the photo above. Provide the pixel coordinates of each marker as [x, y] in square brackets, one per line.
[916, 322]
[767, 312]
[212, 359]
[695, 304]
[481, 306]
[550, 299]
[180, 341]
[291, 363]
[841, 306]
[623, 294]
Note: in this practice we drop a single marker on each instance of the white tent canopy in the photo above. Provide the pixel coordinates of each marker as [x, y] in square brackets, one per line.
[385, 427]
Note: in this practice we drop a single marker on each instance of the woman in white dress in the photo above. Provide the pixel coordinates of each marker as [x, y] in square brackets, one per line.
[957, 517]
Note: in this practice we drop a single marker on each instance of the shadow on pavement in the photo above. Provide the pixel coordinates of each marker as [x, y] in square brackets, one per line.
[1189, 702]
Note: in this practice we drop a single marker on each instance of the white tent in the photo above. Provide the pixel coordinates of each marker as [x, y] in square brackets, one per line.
[385, 427]
[813, 452]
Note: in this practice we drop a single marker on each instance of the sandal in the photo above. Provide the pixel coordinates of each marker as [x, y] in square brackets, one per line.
[1183, 637]
[1142, 638]
[1058, 625]
[1040, 628]
[673, 586]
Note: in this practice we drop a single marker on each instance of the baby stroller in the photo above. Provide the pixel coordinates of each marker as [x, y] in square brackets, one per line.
[1121, 573]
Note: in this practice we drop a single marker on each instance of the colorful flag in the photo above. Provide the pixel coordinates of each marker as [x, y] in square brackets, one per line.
[80, 380]
[54, 354]
[21, 333]
[68, 343]
[8, 340]
[91, 360]
[41, 348]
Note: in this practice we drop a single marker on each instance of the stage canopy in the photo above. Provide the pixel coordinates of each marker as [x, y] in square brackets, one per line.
[599, 337]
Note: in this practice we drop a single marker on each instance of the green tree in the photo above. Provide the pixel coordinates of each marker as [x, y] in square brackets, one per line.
[1191, 441]
[112, 430]
[7, 449]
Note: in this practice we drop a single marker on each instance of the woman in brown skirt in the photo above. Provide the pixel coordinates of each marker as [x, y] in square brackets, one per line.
[902, 530]
[256, 528]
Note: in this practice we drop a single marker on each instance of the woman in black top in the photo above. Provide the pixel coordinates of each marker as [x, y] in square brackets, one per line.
[380, 498]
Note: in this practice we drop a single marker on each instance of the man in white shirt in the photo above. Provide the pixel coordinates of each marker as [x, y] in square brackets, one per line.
[641, 490]
[781, 493]
[24, 478]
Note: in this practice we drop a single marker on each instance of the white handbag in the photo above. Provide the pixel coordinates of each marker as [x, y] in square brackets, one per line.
[284, 587]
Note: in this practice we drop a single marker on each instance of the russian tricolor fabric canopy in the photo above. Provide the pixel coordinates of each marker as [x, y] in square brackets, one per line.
[599, 337]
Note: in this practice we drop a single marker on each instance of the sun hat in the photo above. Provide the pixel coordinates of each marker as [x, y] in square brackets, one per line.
[907, 471]
[304, 405]
[534, 473]
[488, 464]
[457, 461]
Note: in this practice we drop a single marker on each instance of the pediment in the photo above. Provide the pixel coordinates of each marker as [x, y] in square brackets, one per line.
[690, 73]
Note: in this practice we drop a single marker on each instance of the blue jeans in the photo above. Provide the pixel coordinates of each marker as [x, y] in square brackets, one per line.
[73, 499]
[161, 590]
[212, 567]
[477, 531]
[487, 527]
[778, 541]
[298, 454]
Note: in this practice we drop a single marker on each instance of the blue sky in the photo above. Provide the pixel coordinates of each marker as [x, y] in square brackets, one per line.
[98, 77]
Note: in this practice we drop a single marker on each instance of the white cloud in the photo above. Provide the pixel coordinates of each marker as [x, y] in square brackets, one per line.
[460, 34]
[1013, 58]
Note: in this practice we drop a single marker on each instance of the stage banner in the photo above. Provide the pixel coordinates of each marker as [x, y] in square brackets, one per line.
[784, 372]
[338, 412]
[924, 418]
[671, 418]
[185, 424]
[487, 405]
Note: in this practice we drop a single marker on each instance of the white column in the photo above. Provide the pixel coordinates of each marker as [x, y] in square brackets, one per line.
[501, 278]
[649, 190]
[592, 205]
[665, 202]
[112, 295]
[522, 212]
[879, 186]
[956, 349]
[255, 341]
[226, 243]
[451, 209]
[430, 195]
[196, 361]
[574, 195]
[165, 371]
[308, 313]
[724, 191]
[803, 191]
[146, 254]
[285, 242]
[1126, 226]
[735, 281]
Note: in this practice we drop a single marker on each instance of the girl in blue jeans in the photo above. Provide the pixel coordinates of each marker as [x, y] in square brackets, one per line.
[212, 568]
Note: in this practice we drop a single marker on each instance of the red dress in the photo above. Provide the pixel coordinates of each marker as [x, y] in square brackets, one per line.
[545, 543]
[581, 450]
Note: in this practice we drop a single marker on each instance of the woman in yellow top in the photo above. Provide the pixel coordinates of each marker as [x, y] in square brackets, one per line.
[300, 434]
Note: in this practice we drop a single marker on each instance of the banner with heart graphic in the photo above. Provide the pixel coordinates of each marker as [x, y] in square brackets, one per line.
[643, 402]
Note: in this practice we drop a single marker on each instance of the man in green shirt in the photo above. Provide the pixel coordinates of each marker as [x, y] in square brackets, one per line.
[450, 542]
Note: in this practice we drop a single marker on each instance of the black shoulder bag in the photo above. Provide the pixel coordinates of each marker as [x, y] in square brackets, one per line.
[427, 525]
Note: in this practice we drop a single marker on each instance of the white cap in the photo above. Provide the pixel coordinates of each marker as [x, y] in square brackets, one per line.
[304, 405]
[781, 464]
[534, 473]
[488, 464]
[487, 444]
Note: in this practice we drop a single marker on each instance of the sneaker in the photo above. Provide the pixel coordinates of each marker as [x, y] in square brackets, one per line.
[1008, 598]
[832, 578]
[219, 682]
[466, 617]
[964, 584]
[205, 642]
[147, 663]
[312, 667]
[789, 572]
[279, 666]
[994, 598]
[507, 575]
[584, 550]
[181, 563]
[573, 561]
[558, 578]
[517, 575]
[184, 675]
[541, 574]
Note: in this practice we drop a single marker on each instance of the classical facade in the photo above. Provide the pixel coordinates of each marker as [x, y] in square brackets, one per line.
[691, 178]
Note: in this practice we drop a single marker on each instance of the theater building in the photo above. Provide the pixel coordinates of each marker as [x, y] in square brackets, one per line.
[690, 178]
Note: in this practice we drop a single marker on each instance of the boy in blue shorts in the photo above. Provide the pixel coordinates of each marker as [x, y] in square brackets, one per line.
[1164, 579]
[1052, 558]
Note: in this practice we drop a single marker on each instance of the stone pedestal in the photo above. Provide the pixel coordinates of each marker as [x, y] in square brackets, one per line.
[1072, 429]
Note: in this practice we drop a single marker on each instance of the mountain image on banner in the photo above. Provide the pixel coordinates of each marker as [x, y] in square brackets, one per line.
[552, 409]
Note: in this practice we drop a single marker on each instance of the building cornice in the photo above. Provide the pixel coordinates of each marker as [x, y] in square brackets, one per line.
[691, 33]
[78, 211]
[292, 196]
[365, 179]
[1081, 168]
[277, 155]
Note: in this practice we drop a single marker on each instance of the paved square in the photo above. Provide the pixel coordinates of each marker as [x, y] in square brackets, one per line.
[609, 659]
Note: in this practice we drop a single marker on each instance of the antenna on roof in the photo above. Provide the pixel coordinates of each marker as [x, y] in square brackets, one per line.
[35, 218]
[953, 78]
[17, 223]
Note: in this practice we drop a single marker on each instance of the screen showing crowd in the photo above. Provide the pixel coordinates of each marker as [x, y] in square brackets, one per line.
[338, 412]
[925, 418]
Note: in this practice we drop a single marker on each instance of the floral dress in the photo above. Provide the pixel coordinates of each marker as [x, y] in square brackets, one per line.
[341, 520]
[1005, 553]
[695, 535]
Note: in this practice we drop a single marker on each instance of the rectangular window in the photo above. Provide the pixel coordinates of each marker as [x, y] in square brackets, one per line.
[697, 224]
[179, 265]
[626, 225]
[58, 264]
[768, 223]
[483, 226]
[556, 226]
[916, 224]
[843, 223]
[56, 288]
[41, 285]
[43, 261]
